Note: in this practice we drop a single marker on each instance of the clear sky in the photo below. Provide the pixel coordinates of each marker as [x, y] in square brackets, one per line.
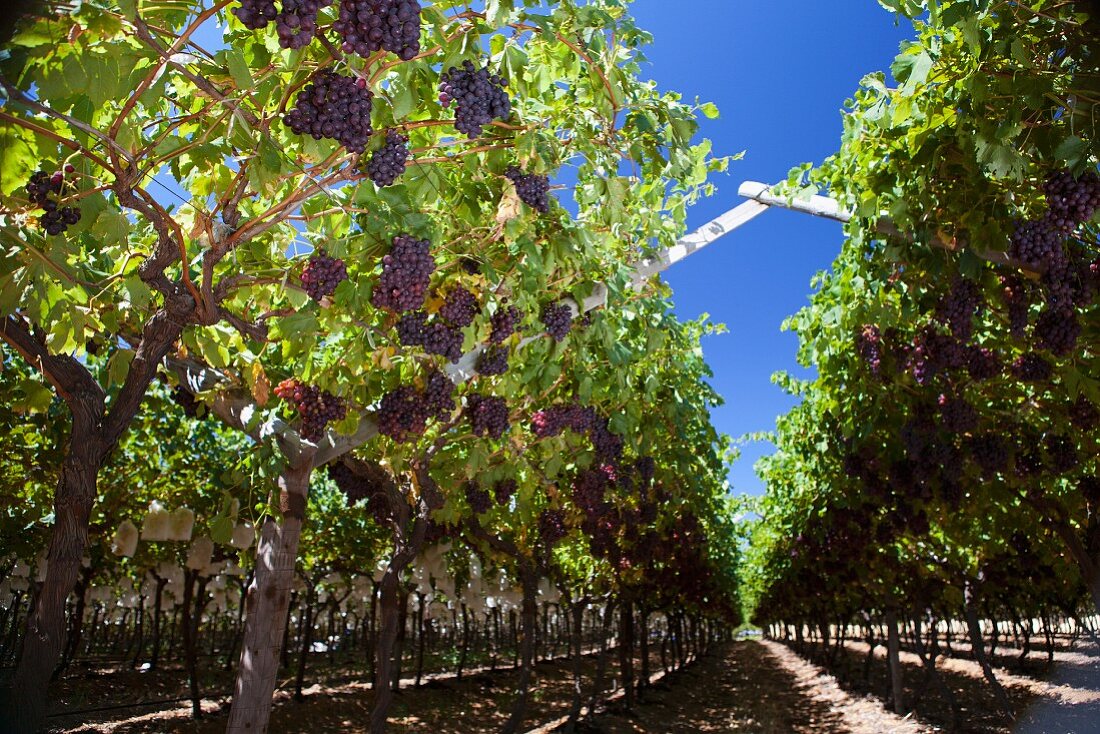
[779, 71]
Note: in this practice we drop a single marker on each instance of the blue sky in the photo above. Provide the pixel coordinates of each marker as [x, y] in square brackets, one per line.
[779, 71]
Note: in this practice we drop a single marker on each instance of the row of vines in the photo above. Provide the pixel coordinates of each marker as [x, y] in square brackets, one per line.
[308, 353]
[938, 478]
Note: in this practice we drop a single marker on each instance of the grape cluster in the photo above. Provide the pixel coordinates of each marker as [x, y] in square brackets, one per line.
[957, 415]
[414, 329]
[478, 499]
[958, 307]
[503, 323]
[439, 395]
[933, 353]
[1017, 299]
[479, 97]
[369, 486]
[1071, 200]
[552, 526]
[56, 218]
[869, 346]
[256, 14]
[493, 361]
[459, 307]
[1084, 414]
[558, 320]
[1032, 367]
[334, 106]
[367, 26]
[1057, 330]
[388, 162]
[533, 190]
[404, 413]
[589, 488]
[322, 274]
[1036, 243]
[470, 265]
[1062, 454]
[582, 420]
[406, 272]
[503, 489]
[488, 415]
[297, 22]
[983, 364]
[316, 408]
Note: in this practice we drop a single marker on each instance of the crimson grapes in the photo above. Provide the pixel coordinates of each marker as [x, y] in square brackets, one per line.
[406, 272]
[983, 363]
[488, 415]
[1017, 298]
[336, 107]
[1071, 200]
[558, 320]
[322, 274]
[1057, 330]
[56, 219]
[297, 22]
[958, 307]
[415, 330]
[869, 346]
[479, 97]
[402, 415]
[552, 526]
[439, 395]
[316, 408]
[503, 490]
[533, 190]
[367, 26]
[388, 162]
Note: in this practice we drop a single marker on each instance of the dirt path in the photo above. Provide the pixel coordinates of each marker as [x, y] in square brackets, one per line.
[755, 686]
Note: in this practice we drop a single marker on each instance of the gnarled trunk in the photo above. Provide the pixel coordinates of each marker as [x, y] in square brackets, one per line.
[529, 580]
[267, 603]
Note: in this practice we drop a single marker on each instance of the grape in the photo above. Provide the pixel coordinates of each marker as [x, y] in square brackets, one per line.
[459, 307]
[336, 107]
[1032, 368]
[315, 407]
[1017, 298]
[256, 14]
[957, 415]
[982, 363]
[1057, 330]
[470, 265]
[406, 272]
[1037, 243]
[367, 26]
[297, 22]
[322, 274]
[533, 190]
[552, 421]
[558, 320]
[478, 95]
[1062, 453]
[493, 361]
[503, 323]
[488, 415]
[1084, 414]
[415, 330]
[552, 526]
[439, 395]
[56, 219]
[934, 353]
[388, 162]
[478, 499]
[869, 346]
[403, 414]
[503, 490]
[958, 307]
[589, 488]
[1071, 200]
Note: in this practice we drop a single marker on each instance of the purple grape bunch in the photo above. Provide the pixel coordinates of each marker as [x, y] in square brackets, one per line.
[296, 23]
[558, 320]
[406, 272]
[493, 361]
[488, 415]
[322, 274]
[1071, 200]
[503, 324]
[404, 412]
[316, 408]
[42, 185]
[256, 14]
[533, 190]
[389, 161]
[479, 97]
[459, 308]
[367, 26]
[415, 329]
[336, 107]
[478, 499]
